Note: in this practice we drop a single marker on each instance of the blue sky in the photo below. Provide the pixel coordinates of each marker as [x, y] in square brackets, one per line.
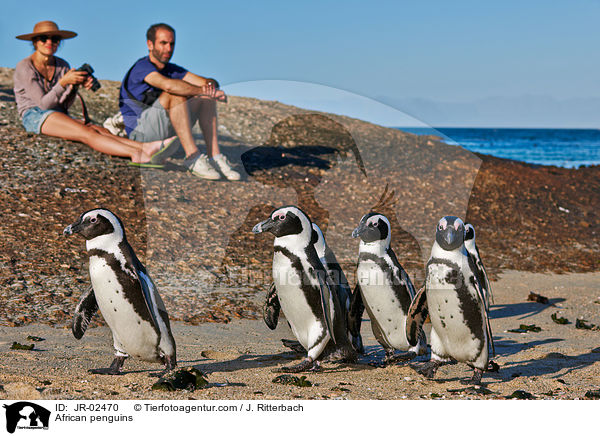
[426, 59]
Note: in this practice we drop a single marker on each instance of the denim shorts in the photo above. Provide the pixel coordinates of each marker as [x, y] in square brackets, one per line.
[34, 118]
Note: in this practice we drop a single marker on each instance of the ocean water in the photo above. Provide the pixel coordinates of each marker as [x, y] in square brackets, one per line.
[569, 148]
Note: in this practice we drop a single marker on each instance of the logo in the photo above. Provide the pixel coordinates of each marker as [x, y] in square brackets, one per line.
[26, 415]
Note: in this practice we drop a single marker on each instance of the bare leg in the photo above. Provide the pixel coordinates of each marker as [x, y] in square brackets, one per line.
[62, 126]
[151, 147]
[179, 115]
[205, 111]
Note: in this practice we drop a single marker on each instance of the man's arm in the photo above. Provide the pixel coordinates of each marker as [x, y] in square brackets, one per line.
[183, 87]
[196, 80]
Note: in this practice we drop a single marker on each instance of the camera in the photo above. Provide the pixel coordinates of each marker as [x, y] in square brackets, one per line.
[90, 71]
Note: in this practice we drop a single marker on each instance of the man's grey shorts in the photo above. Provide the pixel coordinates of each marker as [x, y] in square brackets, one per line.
[153, 125]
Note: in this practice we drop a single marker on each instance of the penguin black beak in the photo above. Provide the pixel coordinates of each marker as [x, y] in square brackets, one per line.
[72, 228]
[263, 226]
[450, 237]
[359, 230]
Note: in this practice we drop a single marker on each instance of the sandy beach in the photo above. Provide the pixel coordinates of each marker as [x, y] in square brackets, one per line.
[559, 362]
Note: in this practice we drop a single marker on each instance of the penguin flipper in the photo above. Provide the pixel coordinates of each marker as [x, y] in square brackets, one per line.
[483, 301]
[84, 312]
[486, 284]
[271, 308]
[326, 302]
[417, 313]
[357, 308]
[147, 289]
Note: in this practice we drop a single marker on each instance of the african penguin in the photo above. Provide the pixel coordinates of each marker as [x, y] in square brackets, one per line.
[471, 247]
[385, 288]
[337, 276]
[452, 296]
[124, 293]
[304, 289]
[272, 307]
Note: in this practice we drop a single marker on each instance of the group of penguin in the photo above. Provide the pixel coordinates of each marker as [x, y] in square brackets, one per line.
[312, 291]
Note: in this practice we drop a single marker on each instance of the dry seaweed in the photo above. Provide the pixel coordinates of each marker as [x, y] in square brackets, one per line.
[479, 390]
[593, 395]
[524, 328]
[558, 320]
[35, 338]
[521, 395]
[17, 346]
[286, 379]
[582, 325]
[184, 379]
[538, 298]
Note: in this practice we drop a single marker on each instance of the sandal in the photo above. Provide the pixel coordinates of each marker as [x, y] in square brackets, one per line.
[145, 165]
[167, 148]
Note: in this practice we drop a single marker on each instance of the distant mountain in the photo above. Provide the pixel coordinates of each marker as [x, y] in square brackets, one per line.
[524, 111]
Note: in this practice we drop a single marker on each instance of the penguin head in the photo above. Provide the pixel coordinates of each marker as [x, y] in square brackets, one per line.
[95, 223]
[450, 233]
[373, 227]
[287, 221]
[469, 233]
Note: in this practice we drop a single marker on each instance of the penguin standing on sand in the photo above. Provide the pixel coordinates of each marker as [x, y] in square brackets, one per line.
[304, 289]
[472, 249]
[272, 307]
[124, 293]
[385, 288]
[452, 296]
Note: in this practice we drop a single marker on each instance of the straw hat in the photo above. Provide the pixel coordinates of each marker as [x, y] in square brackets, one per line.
[47, 28]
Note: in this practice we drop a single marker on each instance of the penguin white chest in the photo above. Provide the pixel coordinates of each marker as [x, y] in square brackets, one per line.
[382, 302]
[447, 315]
[131, 333]
[290, 289]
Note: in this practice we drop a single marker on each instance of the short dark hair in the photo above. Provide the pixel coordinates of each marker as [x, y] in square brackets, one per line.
[151, 32]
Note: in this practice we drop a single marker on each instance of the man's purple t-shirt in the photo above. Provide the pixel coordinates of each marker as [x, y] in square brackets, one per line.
[132, 110]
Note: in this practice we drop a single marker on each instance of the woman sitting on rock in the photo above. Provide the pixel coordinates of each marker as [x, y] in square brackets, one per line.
[45, 87]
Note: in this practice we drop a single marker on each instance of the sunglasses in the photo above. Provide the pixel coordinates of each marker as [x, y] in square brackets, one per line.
[55, 38]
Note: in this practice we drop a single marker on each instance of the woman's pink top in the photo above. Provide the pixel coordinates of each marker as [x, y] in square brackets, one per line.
[32, 89]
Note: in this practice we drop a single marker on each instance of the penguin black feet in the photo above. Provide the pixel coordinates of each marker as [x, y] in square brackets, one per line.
[114, 369]
[428, 369]
[306, 365]
[476, 379]
[170, 363]
[293, 345]
[392, 358]
[357, 344]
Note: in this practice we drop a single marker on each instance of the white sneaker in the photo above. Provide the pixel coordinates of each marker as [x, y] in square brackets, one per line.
[116, 125]
[223, 165]
[201, 168]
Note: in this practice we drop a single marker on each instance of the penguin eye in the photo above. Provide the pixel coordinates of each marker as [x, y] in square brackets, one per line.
[93, 220]
[375, 223]
[441, 227]
[281, 217]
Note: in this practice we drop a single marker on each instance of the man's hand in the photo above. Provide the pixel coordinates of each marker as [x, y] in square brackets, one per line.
[209, 90]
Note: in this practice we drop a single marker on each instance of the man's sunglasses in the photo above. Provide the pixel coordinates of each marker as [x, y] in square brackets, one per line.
[55, 38]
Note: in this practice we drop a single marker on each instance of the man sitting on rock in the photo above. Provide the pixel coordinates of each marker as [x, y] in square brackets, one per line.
[159, 99]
